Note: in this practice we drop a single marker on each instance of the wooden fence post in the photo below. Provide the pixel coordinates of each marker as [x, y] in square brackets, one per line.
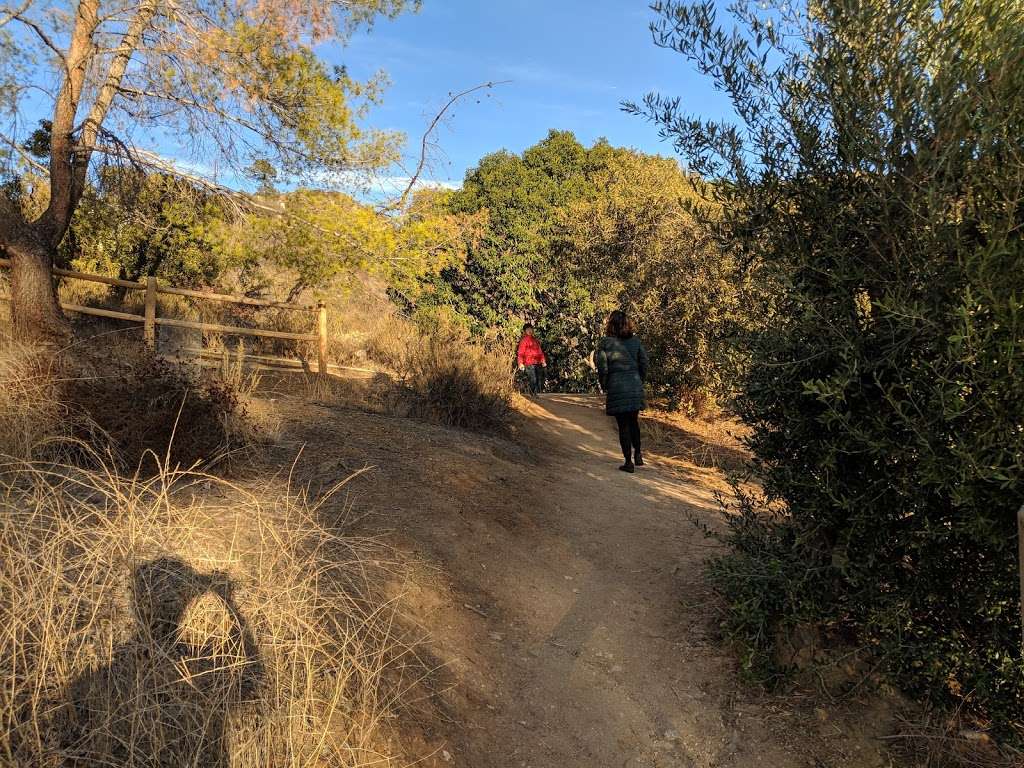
[149, 326]
[321, 337]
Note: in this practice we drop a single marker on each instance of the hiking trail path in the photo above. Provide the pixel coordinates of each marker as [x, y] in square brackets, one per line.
[565, 601]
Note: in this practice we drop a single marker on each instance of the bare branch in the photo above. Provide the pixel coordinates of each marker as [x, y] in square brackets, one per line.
[182, 101]
[35, 164]
[7, 15]
[430, 129]
[145, 159]
[40, 33]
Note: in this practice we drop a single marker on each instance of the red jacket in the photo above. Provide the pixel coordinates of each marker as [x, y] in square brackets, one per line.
[529, 352]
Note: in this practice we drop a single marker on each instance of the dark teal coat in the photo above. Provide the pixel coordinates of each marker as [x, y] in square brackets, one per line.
[621, 369]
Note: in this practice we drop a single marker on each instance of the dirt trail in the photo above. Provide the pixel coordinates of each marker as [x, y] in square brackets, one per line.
[566, 602]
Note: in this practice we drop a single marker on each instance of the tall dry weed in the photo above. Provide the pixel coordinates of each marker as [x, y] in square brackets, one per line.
[144, 626]
[32, 415]
[439, 373]
[448, 379]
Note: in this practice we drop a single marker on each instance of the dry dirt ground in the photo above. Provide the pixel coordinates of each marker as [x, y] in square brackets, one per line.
[562, 601]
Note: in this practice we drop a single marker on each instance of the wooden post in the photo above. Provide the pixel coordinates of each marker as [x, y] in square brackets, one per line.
[321, 337]
[149, 325]
[1020, 547]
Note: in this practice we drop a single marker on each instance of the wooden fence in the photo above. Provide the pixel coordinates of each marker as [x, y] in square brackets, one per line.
[150, 320]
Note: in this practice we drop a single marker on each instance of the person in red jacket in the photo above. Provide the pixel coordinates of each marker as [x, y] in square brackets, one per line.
[531, 359]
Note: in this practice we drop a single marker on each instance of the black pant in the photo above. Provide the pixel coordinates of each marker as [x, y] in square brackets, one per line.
[629, 433]
[535, 378]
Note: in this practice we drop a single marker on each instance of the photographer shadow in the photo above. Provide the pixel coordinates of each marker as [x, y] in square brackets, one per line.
[168, 693]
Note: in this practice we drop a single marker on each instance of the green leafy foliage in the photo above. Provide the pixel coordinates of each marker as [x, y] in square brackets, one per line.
[875, 178]
[242, 81]
[515, 270]
[237, 83]
[644, 240]
[571, 233]
[287, 86]
[317, 237]
[133, 224]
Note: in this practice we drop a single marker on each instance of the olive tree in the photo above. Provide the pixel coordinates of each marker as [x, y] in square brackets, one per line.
[874, 172]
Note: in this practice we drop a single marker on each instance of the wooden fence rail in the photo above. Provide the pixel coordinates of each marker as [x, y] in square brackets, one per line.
[150, 320]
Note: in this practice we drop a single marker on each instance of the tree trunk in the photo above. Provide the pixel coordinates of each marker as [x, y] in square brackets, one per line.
[296, 290]
[35, 310]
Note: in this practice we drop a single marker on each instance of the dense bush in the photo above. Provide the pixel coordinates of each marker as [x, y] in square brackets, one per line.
[34, 423]
[453, 382]
[132, 224]
[151, 410]
[519, 268]
[113, 400]
[569, 233]
[641, 245]
[875, 177]
[431, 368]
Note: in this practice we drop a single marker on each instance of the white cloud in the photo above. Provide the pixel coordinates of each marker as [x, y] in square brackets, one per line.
[376, 185]
[387, 184]
[532, 73]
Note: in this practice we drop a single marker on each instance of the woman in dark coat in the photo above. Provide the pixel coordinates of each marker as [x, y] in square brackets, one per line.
[621, 368]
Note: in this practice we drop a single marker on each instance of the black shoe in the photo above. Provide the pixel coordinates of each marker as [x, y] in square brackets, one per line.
[638, 459]
[627, 467]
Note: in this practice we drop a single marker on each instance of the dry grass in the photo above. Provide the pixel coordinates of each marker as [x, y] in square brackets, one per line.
[374, 394]
[172, 618]
[441, 375]
[365, 328]
[32, 417]
[106, 390]
[712, 442]
[449, 380]
[143, 627]
[434, 373]
[234, 372]
[947, 741]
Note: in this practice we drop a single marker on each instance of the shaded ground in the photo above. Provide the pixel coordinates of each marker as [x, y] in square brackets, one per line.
[564, 600]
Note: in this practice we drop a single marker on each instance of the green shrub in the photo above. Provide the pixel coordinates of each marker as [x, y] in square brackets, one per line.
[570, 233]
[875, 178]
[763, 580]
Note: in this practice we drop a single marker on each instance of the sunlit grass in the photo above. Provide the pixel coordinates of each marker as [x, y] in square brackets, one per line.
[176, 618]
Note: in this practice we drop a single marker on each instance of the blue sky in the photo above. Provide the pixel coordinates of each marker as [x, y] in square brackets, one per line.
[570, 62]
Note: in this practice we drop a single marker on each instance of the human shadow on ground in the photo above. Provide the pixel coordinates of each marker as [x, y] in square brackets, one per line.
[166, 696]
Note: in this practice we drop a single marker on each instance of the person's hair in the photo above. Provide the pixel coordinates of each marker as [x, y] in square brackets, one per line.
[527, 327]
[618, 325]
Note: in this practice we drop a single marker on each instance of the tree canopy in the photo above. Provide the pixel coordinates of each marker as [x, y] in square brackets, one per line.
[572, 232]
[234, 82]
